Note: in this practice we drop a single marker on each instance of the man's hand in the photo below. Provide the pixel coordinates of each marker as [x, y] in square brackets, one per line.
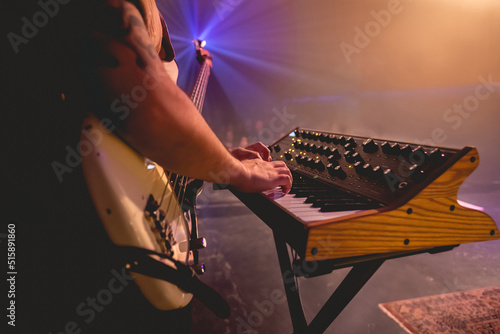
[260, 175]
[254, 151]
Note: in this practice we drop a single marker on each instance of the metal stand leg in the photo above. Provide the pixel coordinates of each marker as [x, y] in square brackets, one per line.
[292, 295]
[345, 292]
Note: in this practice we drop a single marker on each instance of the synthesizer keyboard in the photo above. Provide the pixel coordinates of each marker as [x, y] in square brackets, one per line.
[354, 196]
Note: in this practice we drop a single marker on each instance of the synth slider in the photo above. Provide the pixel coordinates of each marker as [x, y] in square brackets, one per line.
[354, 196]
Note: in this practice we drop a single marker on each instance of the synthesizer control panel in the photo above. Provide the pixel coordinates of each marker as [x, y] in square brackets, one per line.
[381, 170]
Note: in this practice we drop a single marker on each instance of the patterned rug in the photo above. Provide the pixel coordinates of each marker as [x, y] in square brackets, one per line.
[472, 312]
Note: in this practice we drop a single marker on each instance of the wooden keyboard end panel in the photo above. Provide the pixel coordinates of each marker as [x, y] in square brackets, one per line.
[430, 219]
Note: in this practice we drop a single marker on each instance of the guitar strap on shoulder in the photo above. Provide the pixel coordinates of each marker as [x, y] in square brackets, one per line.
[139, 261]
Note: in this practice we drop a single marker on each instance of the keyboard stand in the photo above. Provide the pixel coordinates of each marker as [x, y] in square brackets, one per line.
[362, 270]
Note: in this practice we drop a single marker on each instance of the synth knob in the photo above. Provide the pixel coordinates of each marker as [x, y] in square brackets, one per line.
[314, 148]
[418, 155]
[322, 137]
[395, 149]
[378, 172]
[358, 167]
[333, 139]
[391, 179]
[351, 141]
[308, 147]
[309, 162]
[369, 146]
[277, 148]
[406, 151]
[342, 140]
[339, 172]
[357, 157]
[318, 164]
[386, 147]
[417, 174]
[366, 169]
[348, 156]
[288, 156]
[437, 157]
[324, 150]
[331, 169]
[335, 155]
[349, 147]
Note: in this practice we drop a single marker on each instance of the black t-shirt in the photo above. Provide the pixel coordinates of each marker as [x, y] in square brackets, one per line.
[64, 259]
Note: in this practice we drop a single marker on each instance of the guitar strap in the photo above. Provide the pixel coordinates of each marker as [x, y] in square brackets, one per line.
[139, 261]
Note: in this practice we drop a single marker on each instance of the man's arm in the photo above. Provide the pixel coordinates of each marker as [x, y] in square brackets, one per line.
[163, 124]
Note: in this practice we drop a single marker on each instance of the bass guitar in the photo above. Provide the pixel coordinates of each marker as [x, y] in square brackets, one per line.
[143, 206]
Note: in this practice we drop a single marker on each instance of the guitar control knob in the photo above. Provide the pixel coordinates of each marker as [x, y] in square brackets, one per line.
[197, 243]
[369, 146]
[199, 268]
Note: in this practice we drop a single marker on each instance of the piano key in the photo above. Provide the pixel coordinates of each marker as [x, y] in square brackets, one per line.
[303, 211]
